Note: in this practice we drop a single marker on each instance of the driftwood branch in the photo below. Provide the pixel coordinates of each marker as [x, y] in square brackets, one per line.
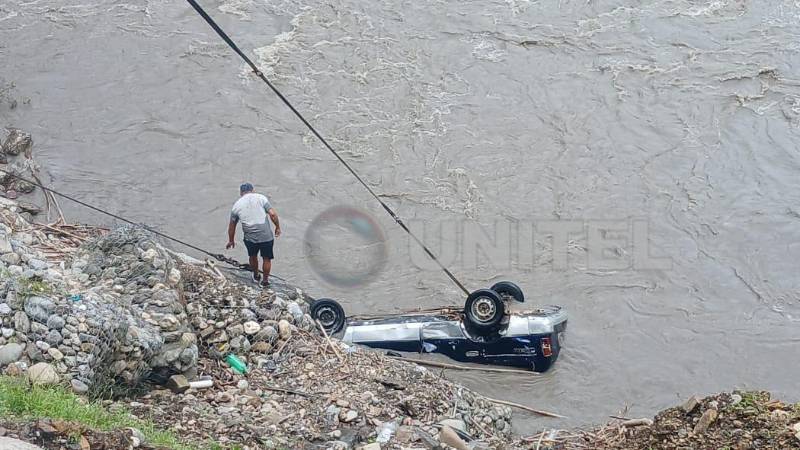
[526, 408]
[285, 391]
[637, 423]
[330, 343]
[285, 343]
[64, 232]
[460, 367]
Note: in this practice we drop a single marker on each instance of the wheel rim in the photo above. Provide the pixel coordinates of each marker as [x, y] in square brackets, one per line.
[483, 309]
[326, 316]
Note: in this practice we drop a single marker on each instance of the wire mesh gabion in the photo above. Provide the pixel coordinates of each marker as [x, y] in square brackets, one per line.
[133, 320]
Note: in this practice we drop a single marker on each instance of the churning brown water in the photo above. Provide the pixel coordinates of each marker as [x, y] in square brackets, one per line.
[592, 116]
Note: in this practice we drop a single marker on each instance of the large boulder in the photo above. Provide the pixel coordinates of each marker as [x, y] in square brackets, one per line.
[39, 308]
[43, 373]
[10, 353]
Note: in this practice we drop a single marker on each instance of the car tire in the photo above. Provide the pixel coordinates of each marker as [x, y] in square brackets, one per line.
[329, 313]
[484, 311]
[510, 289]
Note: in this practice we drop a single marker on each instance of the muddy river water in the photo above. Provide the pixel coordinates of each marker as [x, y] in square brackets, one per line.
[635, 162]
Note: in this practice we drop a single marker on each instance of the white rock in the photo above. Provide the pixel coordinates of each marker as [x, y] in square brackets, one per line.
[174, 277]
[7, 443]
[372, 446]
[150, 255]
[43, 373]
[37, 264]
[55, 353]
[251, 327]
[348, 416]
[12, 259]
[284, 329]
[295, 311]
[5, 245]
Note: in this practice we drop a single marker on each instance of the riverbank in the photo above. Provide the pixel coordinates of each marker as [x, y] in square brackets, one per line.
[732, 421]
[116, 316]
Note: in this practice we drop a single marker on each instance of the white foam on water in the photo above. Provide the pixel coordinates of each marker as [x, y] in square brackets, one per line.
[720, 8]
[456, 192]
[618, 18]
[484, 48]
[205, 49]
[791, 109]
[269, 56]
[7, 15]
[239, 8]
[518, 6]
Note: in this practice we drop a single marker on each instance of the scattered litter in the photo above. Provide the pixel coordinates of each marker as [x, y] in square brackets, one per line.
[236, 364]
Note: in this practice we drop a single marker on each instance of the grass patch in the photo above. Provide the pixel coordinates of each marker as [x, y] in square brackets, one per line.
[20, 400]
[33, 287]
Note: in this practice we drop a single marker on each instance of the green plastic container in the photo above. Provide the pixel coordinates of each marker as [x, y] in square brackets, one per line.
[236, 364]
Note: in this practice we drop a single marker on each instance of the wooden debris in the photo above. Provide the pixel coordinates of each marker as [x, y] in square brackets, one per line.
[460, 367]
[631, 423]
[328, 340]
[526, 408]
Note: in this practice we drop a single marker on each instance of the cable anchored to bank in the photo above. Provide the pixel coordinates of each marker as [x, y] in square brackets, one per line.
[297, 113]
[218, 256]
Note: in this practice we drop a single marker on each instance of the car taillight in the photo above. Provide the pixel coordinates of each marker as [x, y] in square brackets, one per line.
[547, 350]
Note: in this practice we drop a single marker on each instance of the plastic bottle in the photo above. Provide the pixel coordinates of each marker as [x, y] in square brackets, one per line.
[236, 364]
[386, 432]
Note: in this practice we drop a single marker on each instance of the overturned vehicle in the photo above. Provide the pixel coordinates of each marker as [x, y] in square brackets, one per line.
[483, 332]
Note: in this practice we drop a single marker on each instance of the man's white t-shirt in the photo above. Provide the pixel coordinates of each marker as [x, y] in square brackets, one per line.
[251, 210]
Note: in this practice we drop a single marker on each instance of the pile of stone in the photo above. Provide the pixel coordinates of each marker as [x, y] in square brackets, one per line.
[233, 317]
[105, 319]
[300, 387]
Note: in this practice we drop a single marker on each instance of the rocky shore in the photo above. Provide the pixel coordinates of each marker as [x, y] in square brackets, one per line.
[116, 315]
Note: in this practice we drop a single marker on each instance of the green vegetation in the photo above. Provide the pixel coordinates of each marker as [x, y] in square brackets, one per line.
[751, 399]
[20, 400]
[32, 287]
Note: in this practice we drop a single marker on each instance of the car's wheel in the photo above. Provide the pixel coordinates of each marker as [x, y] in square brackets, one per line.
[484, 311]
[510, 289]
[329, 313]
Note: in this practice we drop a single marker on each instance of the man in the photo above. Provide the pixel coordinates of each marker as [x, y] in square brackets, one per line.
[252, 210]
